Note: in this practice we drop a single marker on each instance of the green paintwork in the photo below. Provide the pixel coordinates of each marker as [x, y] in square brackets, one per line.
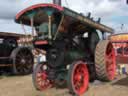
[31, 14]
[6, 47]
[43, 29]
[75, 55]
[49, 12]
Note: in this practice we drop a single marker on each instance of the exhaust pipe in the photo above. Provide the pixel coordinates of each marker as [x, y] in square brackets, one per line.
[58, 2]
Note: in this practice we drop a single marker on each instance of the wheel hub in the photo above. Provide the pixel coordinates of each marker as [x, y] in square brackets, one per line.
[23, 61]
[78, 77]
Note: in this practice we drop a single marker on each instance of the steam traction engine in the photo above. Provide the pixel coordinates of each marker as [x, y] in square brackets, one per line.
[70, 41]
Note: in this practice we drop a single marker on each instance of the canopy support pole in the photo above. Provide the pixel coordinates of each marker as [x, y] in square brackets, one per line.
[58, 2]
[32, 25]
[59, 27]
[49, 28]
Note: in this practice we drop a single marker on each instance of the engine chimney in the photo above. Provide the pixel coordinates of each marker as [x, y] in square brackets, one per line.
[58, 2]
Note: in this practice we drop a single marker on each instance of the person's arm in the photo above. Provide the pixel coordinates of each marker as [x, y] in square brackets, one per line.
[119, 50]
[43, 27]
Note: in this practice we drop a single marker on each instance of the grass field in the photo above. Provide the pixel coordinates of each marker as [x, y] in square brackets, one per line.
[22, 86]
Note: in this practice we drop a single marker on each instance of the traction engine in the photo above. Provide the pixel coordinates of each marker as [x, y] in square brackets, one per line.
[70, 49]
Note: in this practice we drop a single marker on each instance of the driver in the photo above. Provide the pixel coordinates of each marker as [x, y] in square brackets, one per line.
[44, 27]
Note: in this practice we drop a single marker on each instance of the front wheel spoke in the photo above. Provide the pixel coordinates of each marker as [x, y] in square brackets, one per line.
[39, 74]
[39, 79]
[39, 83]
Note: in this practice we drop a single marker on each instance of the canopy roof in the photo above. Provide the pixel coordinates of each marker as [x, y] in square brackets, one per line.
[35, 12]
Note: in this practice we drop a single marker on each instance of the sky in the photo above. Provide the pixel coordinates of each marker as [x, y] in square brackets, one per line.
[113, 13]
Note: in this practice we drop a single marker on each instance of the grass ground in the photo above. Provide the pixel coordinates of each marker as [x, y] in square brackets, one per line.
[22, 86]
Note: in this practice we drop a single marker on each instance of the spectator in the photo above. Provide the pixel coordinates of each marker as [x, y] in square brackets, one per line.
[126, 49]
[120, 50]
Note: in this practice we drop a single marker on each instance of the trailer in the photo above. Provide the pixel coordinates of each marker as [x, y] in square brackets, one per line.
[120, 43]
[72, 51]
[18, 59]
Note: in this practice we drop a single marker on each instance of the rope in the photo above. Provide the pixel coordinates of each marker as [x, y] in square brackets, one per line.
[59, 27]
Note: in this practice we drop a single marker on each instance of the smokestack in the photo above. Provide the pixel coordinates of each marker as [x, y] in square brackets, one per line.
[89, 15]
[99, 19]
[58, 2]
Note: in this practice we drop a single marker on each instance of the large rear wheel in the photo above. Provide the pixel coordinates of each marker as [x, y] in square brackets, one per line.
[105, 61]
[78, 78]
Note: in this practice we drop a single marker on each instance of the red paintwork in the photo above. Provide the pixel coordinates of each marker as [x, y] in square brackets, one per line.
[122, 59]
[119, 41]
[110, 62]
[80, 78]
[41, 42]
[37, 6]
[41, 79]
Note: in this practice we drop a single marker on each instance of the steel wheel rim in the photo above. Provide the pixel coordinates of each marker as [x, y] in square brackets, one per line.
[24, 61]
[80, 78]
[41, 79]
[110, 62]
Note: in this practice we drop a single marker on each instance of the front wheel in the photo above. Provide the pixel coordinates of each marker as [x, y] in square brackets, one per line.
[78, 78]
[40, 78]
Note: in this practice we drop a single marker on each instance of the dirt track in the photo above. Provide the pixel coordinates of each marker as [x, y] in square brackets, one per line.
[22, 86]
